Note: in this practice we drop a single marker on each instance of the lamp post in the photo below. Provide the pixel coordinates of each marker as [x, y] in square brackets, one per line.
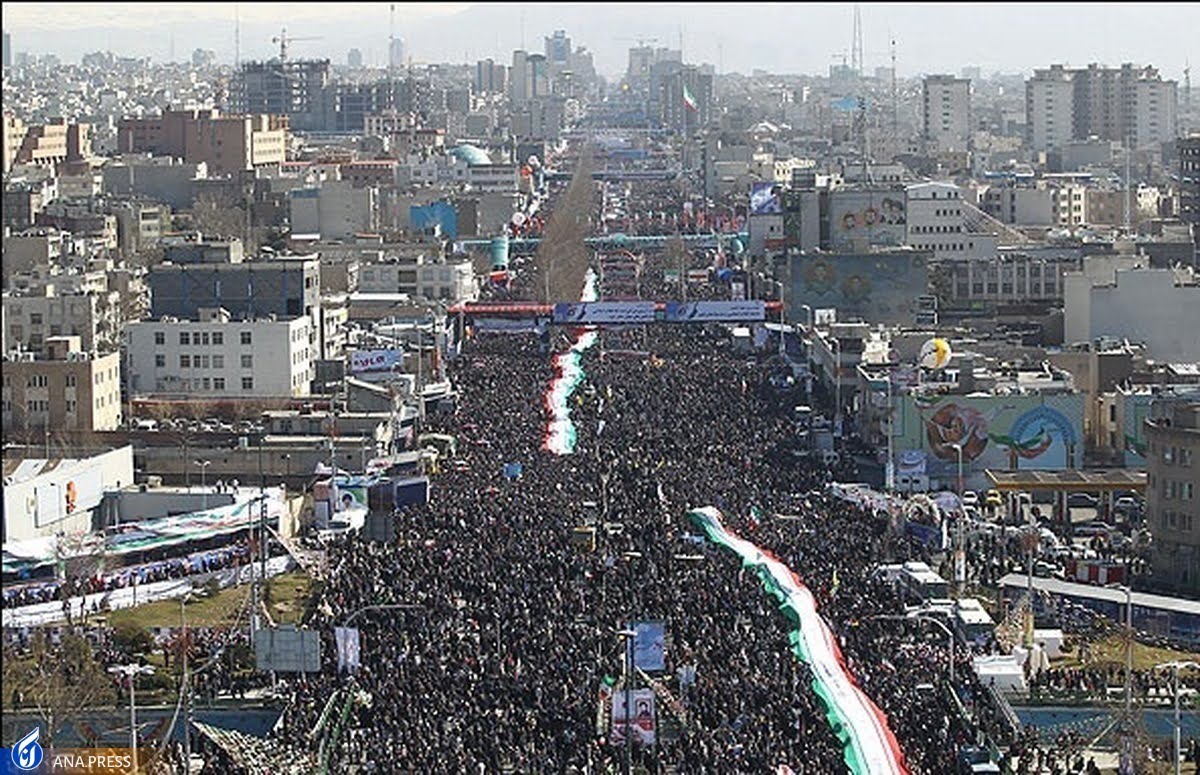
[204, 464]
[782, 313]
[889, 478]
[918, 616]
[187, 687]
[627, 636]
[837, 385]
[960, 554]
[1175, 668]
[130, 671]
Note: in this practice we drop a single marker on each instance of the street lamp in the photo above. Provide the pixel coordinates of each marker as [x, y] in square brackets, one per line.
[130, 671]
[187, 687]
[782, 313]
[918, 616]
[627, 636]
[204, 464]
[837, 385]
[1175, 668]
[960, 555]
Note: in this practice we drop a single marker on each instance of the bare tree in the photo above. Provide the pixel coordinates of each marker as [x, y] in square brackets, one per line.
[58, 683]
[220, 215]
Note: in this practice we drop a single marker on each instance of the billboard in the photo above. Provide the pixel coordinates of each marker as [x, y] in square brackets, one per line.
[375, 360]
[600, 312]
[877, 287]
[714, 311]
[862, 218]
[765, 199]
[285, 649]
[649, 645]
[642, 722]
[349, 653]
[998, 432]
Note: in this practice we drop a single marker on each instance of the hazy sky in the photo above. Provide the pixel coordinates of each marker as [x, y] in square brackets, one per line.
[790, 38]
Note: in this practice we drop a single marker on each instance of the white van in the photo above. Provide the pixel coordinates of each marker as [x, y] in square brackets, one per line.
[145, 424]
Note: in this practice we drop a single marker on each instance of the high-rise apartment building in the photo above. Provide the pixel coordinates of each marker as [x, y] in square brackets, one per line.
[946, 111]
[1189, 181]
[490, 77]
[1128, 104]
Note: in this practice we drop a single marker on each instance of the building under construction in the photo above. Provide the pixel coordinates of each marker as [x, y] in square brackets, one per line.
[293, 88]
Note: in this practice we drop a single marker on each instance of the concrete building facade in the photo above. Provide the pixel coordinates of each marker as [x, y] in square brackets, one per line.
[1160, 307]
[69, 390]
[1173, 493]
[221, 357]
[225, 144]
[946, 111]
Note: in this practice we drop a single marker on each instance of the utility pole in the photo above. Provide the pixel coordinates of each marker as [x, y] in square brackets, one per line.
[187, 690]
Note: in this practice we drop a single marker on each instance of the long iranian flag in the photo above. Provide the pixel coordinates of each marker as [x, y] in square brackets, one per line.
[867, 742]
[561, 435]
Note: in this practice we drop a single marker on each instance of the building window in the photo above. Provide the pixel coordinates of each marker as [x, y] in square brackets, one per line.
[160, 361]
[184, 338]
[160, 337]
[247, 361]
[201, 361]
[247, 383]
[246, 337]
[185, 361]
[71, 380]
[204, 338]
[218, 338]
[218, 361]
[218, 383]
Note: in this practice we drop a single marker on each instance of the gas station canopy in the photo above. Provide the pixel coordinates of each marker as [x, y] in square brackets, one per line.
[1068, 481]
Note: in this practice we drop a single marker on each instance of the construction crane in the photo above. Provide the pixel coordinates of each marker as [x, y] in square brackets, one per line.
[283, 40]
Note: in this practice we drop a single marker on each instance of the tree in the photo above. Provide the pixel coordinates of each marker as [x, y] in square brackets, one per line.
[220, 215]
[59, 683]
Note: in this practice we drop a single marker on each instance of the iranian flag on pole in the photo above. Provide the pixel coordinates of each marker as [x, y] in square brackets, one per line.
[688, 100]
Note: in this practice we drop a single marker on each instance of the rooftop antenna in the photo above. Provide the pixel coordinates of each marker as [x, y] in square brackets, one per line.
[237, 37]
[1187, 86]
[895, 95]
[856, 50]
[1128, 183]
[391, 89]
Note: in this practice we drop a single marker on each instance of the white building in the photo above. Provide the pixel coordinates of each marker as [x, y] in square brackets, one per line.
[1049, 109]
[935, 221]
[45, 497]
[335, 211]
[946, 111]
[219, 357]
[419, 280]
[1160, 307]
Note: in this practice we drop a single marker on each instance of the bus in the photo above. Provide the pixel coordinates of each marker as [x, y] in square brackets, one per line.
[921, 584]
[972, 623]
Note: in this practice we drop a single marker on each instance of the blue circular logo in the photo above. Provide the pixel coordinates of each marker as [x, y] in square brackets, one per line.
[27, 754]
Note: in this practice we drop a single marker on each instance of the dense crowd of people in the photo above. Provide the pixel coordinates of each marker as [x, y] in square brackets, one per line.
[509, 627]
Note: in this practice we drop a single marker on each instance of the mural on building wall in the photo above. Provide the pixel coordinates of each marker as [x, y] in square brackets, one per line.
[999, 432]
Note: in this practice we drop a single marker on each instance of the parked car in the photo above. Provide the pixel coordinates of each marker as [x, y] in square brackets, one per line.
[993, 499]
[145, 424]
[969, 498]
[1082, 500]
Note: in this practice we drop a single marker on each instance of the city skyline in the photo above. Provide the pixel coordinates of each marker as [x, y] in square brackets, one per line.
[929, 38]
